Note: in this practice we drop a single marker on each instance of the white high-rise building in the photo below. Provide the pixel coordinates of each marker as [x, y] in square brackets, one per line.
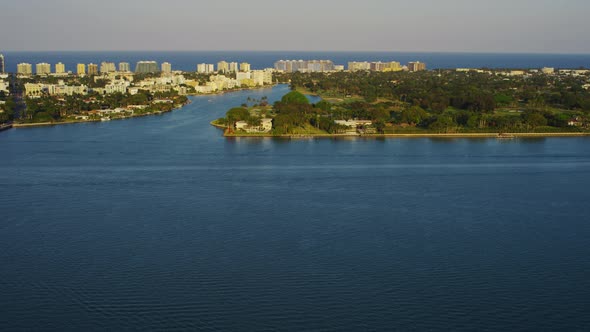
[60, 68]
[223, 66]
[244, 66]
[124, 67]
[166, 67]
[81, 69]
[258, 77]
[233, 67]
[24, 69]
[92, 69]
[107, 67]
[205, 68]
[43, 68]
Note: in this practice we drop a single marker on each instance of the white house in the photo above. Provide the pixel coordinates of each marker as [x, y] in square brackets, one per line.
[265, 126]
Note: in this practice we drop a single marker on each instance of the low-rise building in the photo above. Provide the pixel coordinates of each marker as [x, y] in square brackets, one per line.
[4, 86]
[354, 123]
[117, 87]
[33, 90]
[264, 127]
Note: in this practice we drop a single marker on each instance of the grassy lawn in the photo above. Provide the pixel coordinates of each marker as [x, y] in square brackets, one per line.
[308, 130]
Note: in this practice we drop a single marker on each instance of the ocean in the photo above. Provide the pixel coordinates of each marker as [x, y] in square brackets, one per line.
[161, 223]
[187, 61]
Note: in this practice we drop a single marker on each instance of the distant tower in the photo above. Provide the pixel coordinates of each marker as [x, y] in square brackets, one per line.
[81, 69]
[60, 68]
[233, 67]
[124, 67]
[166, 68]
[2, 65]
[43, 68]
[24, 69]
[92, 69]
[107, 67]
[223, 66]
[244, 66]
[144, 67]
[416, 66]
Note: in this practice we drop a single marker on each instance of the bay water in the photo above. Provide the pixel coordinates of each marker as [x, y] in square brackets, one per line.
[162, 223]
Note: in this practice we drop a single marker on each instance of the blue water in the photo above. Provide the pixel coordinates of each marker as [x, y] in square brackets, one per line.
[188, 61]
[161, 223]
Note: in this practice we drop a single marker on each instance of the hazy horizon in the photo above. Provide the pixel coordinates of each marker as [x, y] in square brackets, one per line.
[432, 26]
[6, 51]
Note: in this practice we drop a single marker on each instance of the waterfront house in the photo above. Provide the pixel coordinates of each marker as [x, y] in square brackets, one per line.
[264, 127]
[354, 123]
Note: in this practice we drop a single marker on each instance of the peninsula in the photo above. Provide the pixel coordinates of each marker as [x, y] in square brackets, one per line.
[440, 103]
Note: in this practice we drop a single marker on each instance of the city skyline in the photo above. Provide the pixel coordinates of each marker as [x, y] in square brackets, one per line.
[264, 25]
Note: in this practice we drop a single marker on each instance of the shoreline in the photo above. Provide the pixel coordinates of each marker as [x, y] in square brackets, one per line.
[217, 125]
[425, 135]
[222, 92]
[47, 124]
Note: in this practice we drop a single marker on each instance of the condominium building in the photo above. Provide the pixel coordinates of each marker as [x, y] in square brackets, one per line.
[39, 89]
[416, 66]
[393, 66]
[358, 66]
[260, 77]
[304, 65]
[81, 69]
[43, 68]
[233, 67]
[107, 67]
[205, 68]
[244, 66]
[24, 69]
[2, 64]
[144, 67]
[60, 68]
[243, 76]
[386, 66]
[92, 69]
[124, 67]
[223, 66]
[166, 67]
[268, 76]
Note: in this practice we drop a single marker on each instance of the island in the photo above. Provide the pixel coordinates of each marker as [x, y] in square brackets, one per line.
[455, 103]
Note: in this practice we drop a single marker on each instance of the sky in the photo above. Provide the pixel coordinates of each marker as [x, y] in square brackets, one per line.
[538, 26]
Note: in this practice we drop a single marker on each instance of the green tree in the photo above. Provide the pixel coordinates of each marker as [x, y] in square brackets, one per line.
[236, 114]
[534, 119]
[413, 115]
[294, 97]
[443, 123]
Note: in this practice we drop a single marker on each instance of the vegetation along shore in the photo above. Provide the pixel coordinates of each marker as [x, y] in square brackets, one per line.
[441, 103]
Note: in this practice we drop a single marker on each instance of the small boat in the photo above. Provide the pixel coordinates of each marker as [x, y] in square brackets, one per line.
[105, 119]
